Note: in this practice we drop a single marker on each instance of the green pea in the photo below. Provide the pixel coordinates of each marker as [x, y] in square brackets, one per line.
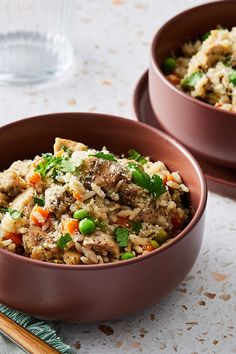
[161, 236]
[80, 214]
[154, 244]
[127, 255]
[87, 226]
[169, 65]
[232, 77]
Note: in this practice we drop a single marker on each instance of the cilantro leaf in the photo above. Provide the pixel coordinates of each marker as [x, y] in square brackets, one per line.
[136, 226]
[121, 236]
[67, 166]
[63, 240]
[189, 82]
[232, 77]
[67, 150]
[157, 186]
[52, 164]
[3, 210]
[39, 201]
[135, 155]
[104, 156]
[15, 214]
[205, 36]
[153, 184]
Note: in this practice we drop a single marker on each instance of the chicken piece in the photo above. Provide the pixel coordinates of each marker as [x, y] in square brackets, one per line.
[70, 144]
[148, 215]
[26, 198]
[39, 245]
[21, 167]
[105, 174]
[4, 200]
[11, 183]
[57, 199]
[35, 236]
[71, 257]
[128, 193]
[101, 241]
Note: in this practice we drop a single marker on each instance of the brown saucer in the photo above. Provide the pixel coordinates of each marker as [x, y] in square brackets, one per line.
[220, 180]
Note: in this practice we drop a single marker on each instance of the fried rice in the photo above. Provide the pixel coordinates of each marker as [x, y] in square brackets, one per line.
[85, 206]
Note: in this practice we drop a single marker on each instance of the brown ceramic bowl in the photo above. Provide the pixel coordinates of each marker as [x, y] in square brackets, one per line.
[204, 129]
[91, 293]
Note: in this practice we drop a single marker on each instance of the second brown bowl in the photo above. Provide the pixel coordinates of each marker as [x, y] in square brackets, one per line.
[204, 129]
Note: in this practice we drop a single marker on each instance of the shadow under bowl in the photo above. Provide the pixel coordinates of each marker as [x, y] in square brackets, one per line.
[92, 293]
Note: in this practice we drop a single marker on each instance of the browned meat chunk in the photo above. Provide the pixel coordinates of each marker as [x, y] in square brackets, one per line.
[71, 257]
[105, 174]
[57, 199]
[100, 242]
[4, 200]
[39, 245]
[128, 193]
[35, 236]
[11, 183]
[69, 144]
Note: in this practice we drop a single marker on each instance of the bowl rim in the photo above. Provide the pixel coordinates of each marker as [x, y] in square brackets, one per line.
[158, 69]
[90, 267]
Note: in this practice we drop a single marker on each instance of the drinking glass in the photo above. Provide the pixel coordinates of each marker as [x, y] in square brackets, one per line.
[35, 39]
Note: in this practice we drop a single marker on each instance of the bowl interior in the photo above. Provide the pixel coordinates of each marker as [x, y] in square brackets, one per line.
[28, 137]
[192, 24]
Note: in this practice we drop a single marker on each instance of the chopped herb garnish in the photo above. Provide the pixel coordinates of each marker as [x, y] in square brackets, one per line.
[232, 77]
[169, 65]
[67, 150]
[205, 36]
[39, 201]
[100, 225]
[121, 236]
[104, 156]
[63, 240]
[136, 226]
[153, 184]
[135, 155]
[189, 82]
[52, 164]
[15, 214]
[3, 210]
[67, 166]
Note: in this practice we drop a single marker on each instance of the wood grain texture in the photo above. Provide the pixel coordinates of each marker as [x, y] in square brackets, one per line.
[23, 338]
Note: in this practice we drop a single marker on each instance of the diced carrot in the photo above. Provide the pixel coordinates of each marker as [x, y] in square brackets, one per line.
[168, 178]
[176, 221]
[34, 178]
[121, 221]
[16, 238]
[39, 215]
[78, 196]
[71, 226]
[174, 79]
[149, 248]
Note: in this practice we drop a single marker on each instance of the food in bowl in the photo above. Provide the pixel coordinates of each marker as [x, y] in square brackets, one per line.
[206, 68]
[85, 206]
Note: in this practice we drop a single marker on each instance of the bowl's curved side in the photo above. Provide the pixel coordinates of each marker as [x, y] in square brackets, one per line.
[205, 129]
[92, 296]
[100, 292]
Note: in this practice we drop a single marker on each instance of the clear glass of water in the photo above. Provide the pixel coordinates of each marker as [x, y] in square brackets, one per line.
[35, 39]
